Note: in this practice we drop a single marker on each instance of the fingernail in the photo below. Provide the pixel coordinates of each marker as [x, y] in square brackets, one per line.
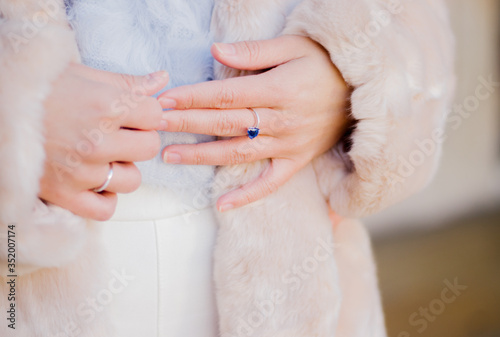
[225, 207]
[163, 125]
[167, 103]
[160, 75]
[226, 49]
[171, 158]
[156, 77]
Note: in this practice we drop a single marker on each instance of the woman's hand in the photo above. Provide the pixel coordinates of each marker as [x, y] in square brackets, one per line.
[94, 118]
[301, 102]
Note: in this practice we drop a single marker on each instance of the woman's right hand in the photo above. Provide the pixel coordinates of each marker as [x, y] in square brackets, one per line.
[94, 118]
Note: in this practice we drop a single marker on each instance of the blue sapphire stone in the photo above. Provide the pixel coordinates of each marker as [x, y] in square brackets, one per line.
[253, 132]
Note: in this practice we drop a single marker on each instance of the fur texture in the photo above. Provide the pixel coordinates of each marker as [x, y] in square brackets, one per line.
[33, 52]
[270, 242]
[397, 56]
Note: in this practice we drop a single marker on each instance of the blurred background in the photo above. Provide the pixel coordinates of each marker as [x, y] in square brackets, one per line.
[438, 253]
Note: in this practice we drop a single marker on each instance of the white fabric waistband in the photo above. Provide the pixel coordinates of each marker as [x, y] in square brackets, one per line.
[152, 203]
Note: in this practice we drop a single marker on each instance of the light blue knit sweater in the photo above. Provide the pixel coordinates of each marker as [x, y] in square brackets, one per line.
[142, 36]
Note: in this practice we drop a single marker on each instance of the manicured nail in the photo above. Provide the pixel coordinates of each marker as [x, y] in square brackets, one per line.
[225, 207]
[172, 158]
[167, 103]
[226, 49]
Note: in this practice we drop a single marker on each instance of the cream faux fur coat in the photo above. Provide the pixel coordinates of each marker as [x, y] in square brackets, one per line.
[396, 55]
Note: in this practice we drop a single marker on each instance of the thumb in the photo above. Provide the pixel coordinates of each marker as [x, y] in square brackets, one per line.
[260, 54]
[275, 175]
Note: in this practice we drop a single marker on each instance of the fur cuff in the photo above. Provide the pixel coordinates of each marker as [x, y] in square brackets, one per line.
[35, 47]
[32, 55]
[50, 237]
[398, 57]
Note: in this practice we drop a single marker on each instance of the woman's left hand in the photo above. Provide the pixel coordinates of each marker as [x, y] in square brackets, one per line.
[301, 102]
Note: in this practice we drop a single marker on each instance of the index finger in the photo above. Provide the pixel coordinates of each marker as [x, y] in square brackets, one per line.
[238, 92]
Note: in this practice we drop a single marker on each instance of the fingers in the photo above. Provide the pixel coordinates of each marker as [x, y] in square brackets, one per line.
[97, 206]
[146, 85]
[83, 201]
[125, 99]
[223, 152]
[142, 113]
[239, 92]
[224, 123]
[126, 146]
[263, 54]
[129, 145]
[126, 178]
[88, 204]
[276, 174]
[261, 90]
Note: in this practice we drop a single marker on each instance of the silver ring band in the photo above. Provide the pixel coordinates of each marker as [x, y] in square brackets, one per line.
[253, 131]
[257, 118]
[108, 180]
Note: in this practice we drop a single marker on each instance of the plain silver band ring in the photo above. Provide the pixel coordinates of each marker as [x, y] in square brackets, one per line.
[108, 180]
[257, 118]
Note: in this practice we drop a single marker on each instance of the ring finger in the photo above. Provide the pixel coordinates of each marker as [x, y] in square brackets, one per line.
[126, 178]
[224, 123]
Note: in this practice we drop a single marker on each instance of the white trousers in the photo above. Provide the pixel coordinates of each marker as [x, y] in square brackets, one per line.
[162, 248]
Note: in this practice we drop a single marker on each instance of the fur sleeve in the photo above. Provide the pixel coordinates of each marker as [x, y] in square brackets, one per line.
[398, 57]
[35, 47]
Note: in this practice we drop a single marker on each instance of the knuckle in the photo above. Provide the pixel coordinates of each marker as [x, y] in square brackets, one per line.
[225, 96]
[224, 124]
[268, 187]
[252, 49]
[256, 193]
[182, 124]
[199, 157]
[249, 197]
[127, 81]
[108, 103]
[188, 98]
[236, 156]
[101, 104]
[290, 92]
[290, 125]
